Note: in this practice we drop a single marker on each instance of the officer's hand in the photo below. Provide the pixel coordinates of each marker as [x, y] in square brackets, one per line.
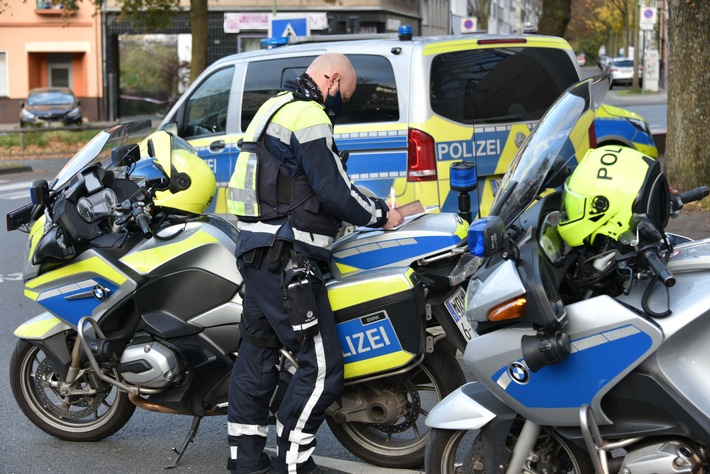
[394, 218]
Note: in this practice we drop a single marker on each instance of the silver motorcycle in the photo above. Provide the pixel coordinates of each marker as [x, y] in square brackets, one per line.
[587, 358]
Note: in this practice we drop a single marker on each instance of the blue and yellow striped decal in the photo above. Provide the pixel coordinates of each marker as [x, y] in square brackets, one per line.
[594, 361]
[145, 261]
[345, 296]
[40, 326]
[91, 266]
[75, 300]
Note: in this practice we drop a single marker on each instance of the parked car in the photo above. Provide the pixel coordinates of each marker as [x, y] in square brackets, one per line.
[603, 61]
[50, 106]
[581, 59]
[421, 104]
[622, 71]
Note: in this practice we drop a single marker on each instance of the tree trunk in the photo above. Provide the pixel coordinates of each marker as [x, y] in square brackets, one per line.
[555, 16]
[687, 153]
[198, 26]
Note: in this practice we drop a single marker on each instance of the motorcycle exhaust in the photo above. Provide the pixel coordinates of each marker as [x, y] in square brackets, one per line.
[149, 406]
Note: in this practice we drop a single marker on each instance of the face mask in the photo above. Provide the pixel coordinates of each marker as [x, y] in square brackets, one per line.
[334, 104]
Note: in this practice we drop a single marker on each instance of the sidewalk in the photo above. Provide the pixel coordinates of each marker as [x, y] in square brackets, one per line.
[622, 97]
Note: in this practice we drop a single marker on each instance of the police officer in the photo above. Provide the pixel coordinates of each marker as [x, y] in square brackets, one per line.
[291, 193]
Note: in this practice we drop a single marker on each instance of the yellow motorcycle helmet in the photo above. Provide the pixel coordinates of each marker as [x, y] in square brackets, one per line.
[191, 183]
[609, 186]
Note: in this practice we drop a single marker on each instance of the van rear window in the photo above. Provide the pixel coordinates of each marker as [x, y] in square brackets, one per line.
[488, 86]
[374, 100]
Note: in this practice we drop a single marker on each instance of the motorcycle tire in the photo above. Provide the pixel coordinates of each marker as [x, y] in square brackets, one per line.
[69, 418]
[447, 451]
[402, 445]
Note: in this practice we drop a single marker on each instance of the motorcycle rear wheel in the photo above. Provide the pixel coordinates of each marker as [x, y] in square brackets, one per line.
[402, 445]
[448, 452]
[69, 418]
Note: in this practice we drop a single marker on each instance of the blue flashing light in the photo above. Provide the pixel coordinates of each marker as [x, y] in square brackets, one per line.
[405, 32]
[274, 41]
[476, 236]
[463, 177]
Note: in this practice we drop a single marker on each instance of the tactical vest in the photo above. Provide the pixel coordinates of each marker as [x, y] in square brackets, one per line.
[261, 189]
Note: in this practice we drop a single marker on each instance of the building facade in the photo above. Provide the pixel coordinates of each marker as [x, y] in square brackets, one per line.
[45, 44]
[49, 43]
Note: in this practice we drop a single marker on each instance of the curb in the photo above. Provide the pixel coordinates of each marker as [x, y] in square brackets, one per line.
[14, 169]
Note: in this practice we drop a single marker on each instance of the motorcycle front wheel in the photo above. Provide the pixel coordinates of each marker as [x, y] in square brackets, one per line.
[402, 444]
[99, 412]
[450, 452]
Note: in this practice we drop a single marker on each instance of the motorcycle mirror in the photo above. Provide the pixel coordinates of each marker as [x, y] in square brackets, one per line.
[125, 154]
[485, 236]
[39, 192]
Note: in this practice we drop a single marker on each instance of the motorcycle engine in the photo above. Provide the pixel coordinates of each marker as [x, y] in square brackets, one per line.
[150, 365]
[667, 456]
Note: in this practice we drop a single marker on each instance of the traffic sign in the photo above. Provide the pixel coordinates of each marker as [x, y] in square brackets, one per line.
[647, 20]
[468, 24]
[289, 27]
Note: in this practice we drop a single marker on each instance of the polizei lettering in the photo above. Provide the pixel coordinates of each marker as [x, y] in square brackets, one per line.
[470, 149]
[366, 341]
[607, 160]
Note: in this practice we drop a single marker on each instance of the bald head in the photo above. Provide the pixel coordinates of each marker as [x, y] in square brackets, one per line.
[332, 70]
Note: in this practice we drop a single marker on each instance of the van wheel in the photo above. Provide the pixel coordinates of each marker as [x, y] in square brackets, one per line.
[402, 444]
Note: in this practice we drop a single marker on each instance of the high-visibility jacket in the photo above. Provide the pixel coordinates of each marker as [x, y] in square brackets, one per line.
[304, 194]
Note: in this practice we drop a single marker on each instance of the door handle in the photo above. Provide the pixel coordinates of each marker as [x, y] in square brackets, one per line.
[217, 145]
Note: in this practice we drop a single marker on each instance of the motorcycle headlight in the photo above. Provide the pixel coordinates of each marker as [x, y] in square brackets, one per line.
[465, 267]
[473, 287]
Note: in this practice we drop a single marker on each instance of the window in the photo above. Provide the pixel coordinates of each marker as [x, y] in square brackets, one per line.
[3, 75]
[499, 85]
[59, 70]
[265, 78]
[374, 100]
[206, 109]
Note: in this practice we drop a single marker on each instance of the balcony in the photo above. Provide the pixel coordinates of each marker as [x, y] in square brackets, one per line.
[56, 8]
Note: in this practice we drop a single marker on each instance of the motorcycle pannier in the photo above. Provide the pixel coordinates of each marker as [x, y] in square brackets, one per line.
[380, 319]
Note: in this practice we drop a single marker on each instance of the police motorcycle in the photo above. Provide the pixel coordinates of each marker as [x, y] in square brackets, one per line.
[143, 303]
[591, 327]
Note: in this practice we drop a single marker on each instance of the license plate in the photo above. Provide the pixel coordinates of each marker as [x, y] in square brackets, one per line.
[456, 306]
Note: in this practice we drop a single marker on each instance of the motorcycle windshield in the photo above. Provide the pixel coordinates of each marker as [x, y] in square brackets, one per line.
[99, 149]
[552, 147]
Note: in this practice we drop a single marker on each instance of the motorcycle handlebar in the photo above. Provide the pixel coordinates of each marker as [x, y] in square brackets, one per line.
[678, 200]
[143, 222]
[650, 258]
[695, 194]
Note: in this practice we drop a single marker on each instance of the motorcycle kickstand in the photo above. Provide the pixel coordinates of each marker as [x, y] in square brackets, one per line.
[190, 437]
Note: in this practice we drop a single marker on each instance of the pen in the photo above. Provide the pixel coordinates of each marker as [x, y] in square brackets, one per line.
[392, 196]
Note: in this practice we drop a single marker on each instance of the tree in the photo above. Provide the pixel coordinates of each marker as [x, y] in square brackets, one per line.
[156, 14]
[481, 9]
[687, 154]
[555, 17]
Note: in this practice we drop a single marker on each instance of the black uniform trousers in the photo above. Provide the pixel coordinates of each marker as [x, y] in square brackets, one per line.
[317, 382]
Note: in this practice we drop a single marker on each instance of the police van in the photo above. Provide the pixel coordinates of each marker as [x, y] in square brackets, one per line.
[421, 104]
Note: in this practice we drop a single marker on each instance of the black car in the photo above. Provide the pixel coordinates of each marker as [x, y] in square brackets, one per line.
[50, 106]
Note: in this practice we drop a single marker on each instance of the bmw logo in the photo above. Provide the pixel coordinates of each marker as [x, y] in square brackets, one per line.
[519, 373]
[100, 293]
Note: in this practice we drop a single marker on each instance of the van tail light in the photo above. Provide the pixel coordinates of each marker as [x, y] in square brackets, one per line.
[592, 136]
[421, 157]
